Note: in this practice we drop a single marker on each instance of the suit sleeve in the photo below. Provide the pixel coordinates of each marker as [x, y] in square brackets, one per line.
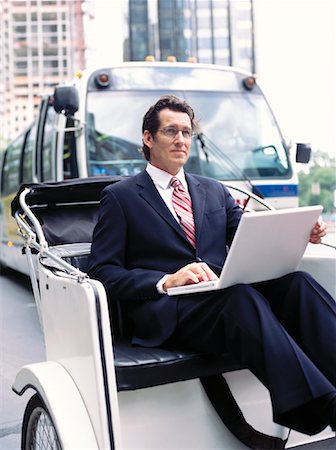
[108, 256]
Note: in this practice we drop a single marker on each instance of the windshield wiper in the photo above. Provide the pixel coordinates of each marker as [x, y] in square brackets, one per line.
[270, 149]
[206, 143]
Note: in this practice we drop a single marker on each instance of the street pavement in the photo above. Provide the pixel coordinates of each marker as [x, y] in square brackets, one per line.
[21, 342]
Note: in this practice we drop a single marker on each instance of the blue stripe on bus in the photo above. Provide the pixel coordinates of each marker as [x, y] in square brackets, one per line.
[278, 190]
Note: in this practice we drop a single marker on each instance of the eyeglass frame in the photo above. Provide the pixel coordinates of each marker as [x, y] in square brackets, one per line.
[187, 130]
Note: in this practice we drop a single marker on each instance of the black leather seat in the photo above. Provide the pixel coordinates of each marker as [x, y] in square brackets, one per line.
[140, 367]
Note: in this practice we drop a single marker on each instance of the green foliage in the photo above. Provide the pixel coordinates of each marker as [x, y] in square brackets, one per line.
[325, 177]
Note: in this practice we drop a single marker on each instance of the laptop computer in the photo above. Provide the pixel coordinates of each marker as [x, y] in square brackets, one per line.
[267, 245]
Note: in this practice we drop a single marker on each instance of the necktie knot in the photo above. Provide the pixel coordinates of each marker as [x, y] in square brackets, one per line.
[175, 183]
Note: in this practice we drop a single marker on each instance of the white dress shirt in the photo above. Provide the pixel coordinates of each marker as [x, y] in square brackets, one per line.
[161, 180]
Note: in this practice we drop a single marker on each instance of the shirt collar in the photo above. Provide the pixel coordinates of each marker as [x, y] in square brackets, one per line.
[162, 178]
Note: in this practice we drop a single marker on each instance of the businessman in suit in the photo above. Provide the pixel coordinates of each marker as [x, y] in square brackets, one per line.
[165, 228]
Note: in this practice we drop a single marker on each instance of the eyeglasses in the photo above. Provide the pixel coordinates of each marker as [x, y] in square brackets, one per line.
[171, 132]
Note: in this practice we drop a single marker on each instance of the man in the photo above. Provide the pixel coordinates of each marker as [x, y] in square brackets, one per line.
[165, 228]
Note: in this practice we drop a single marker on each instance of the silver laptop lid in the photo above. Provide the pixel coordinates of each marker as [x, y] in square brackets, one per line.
[268, 244]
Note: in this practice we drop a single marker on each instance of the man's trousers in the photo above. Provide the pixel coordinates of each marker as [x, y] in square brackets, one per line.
[283, 330]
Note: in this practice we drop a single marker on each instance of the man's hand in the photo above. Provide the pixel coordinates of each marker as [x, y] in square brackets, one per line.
[190, 274]
[319, 230]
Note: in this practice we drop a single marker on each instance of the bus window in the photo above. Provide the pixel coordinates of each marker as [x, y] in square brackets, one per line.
[10, 175]
[242, 138]
[27, 156]
[48, 144]
[113, 144]
[242, 129]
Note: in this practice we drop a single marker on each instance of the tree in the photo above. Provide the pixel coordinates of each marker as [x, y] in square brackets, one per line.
[317, 187]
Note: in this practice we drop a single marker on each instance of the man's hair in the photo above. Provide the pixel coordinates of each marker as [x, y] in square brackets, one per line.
[151, 121]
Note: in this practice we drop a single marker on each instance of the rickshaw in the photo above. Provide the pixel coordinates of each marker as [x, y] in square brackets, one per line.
[97, 391]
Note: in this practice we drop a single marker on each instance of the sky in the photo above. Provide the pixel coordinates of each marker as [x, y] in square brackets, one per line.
[296, 66]
[104, 32]
[296, 61]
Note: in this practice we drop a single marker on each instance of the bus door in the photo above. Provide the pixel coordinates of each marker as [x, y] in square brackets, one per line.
[66, 147]
[46, 142]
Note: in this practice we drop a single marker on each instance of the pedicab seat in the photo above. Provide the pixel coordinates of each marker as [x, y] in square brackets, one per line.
[140, 367]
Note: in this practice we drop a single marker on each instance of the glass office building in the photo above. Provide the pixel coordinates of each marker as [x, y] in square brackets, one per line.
[212, 31]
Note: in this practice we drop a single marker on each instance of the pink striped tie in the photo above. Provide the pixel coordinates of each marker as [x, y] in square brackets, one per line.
[183, 208]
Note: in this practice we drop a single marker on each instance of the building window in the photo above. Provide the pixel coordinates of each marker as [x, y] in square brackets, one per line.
[49, 28]
[49, 16]
[20, 18]
[20, 29]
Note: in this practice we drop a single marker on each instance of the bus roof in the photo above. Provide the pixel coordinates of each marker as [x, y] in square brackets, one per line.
[166, 75]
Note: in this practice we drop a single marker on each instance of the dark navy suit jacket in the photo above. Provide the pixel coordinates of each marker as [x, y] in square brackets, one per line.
[137, 241]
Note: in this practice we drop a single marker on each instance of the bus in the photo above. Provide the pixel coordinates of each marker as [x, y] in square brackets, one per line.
[92, 127]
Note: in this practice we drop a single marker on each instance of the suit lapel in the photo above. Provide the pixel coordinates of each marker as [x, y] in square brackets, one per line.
[198, 197]
[150, 194]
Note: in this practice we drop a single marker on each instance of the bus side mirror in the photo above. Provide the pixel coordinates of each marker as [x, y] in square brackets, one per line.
[303, 152]
[66, 100]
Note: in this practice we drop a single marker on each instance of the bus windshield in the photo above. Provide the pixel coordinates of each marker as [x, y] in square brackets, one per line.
[238, 136]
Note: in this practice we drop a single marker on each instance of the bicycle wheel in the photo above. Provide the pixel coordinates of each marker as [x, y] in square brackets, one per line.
[38, 430]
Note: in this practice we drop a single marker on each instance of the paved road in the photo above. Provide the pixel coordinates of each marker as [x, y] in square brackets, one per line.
[21, 342]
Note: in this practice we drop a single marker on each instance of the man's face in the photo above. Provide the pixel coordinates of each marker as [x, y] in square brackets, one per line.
[169, 153]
